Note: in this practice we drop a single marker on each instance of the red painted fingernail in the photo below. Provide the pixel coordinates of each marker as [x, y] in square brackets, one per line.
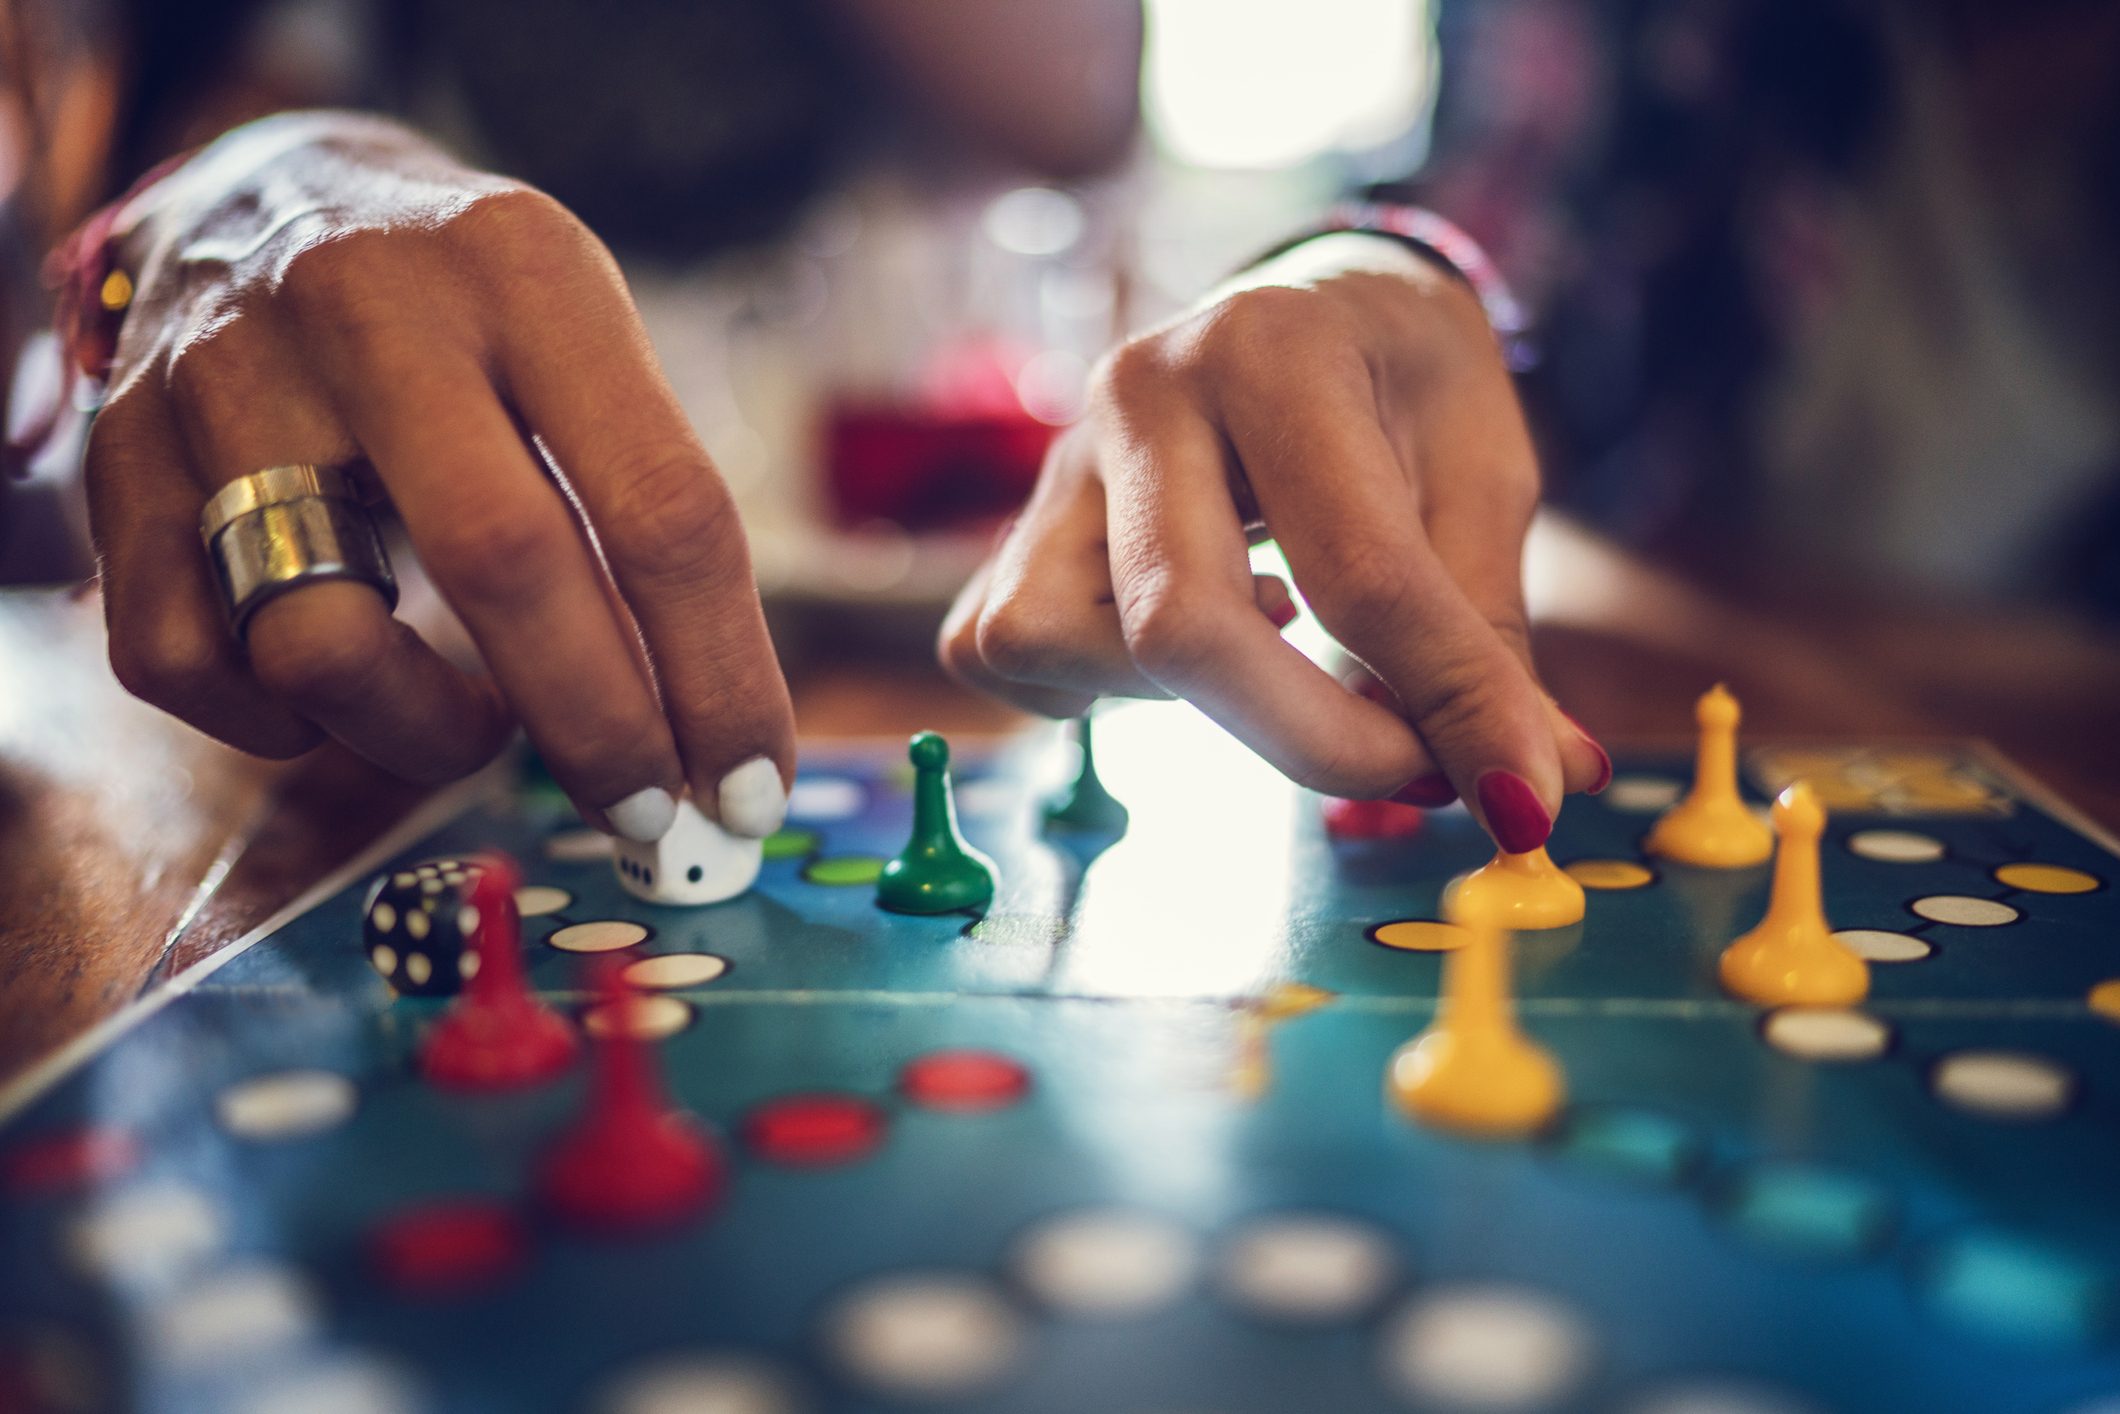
[1427, 791]
[1517, 821]
[1604, 757]
[1283, 615]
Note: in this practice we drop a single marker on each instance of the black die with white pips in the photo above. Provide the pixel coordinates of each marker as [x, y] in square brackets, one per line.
[418, 923]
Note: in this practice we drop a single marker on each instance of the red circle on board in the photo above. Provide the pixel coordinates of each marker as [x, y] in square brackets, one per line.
[814, 1130]
[964, 1080]
[444, 1248]
[1371, 819]
[67, 1159]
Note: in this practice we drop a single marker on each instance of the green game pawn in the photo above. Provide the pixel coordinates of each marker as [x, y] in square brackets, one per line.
[1084, 804]
[937, 872]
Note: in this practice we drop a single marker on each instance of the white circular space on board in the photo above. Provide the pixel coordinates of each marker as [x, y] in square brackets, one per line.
[1879, 945]
[233, 1315]
[146, 1233]
[291, 1104]
[1641, 794]
[1105, 1262]
[2003, 1084]
[1896, 846]
[1486, 1347]
[926, 1336]
[825, 798]
[1964, 910]
[701, 1384]
[1820, 1033]
[1307, 1268]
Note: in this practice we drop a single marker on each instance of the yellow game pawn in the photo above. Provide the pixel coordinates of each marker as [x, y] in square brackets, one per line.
[1472, 1070]
[1520, 892]
[1712, 826]
[1792, 957]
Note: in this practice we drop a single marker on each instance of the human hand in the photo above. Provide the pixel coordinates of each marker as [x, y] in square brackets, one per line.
[330, 289]
[1348, 400]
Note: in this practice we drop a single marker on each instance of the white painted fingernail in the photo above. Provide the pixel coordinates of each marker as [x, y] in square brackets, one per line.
[752, 799]
[644, 816]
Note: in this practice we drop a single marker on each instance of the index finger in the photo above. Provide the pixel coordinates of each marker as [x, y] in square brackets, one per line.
[1182, 580]
[1347, 515]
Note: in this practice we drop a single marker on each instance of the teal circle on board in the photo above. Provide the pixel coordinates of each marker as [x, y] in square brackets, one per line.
[1802, 1210]
[1640, 1146]
[2019, 1290]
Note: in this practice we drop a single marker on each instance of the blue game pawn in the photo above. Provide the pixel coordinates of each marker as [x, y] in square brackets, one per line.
[937, 872]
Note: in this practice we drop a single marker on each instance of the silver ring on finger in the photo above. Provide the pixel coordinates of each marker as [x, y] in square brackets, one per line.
[288, 526]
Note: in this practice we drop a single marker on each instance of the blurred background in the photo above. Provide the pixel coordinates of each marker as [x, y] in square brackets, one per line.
[1826, 291]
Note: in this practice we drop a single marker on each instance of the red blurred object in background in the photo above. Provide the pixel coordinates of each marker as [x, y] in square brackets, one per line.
[959, 451]
[928, 470]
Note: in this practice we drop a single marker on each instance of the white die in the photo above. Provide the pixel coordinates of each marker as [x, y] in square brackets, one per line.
[696, 862]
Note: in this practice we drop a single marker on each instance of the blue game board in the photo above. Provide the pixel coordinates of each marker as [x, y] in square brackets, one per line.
[1197, 1197]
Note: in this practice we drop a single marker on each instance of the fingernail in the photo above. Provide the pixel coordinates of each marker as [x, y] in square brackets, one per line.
[1514, 816]
[1427, 791]
[1283, 614]
[1604, 757]
[753, 801]
[644, 816]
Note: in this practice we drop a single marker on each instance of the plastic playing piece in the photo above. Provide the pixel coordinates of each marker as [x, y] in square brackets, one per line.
[1712, 826]
[1472, 1070]
[497, 1035]
[631, 1162]
[937, 872]
[1792, 957]
[1520, 892]
[696, 862]
[1084, 803]
[1372, 819]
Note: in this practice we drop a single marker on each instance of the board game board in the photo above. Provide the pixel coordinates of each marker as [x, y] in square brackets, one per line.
[1122, 1144]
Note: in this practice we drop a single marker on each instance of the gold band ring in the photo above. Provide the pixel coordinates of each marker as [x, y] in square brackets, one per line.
[287, 526]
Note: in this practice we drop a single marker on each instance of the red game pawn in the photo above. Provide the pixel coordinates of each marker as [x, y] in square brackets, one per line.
[1371, 819]
[632, 1161]
[498, 1035]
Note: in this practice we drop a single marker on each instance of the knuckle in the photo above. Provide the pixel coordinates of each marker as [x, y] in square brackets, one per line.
[1460, 699]
[1167, 634]
[527, 236]
[667, 512]
[168, 664]
[1250, 329]
[327, 277]
[957, 647]
[1128, 373]
[498, 555]
[1017, 642]
[1364, 586]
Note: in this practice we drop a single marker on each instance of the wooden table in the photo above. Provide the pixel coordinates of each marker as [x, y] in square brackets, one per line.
[131, 847]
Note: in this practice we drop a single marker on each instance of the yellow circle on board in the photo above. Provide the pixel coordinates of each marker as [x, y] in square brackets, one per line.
[1610, 873]
[2047, 878]
[1419, 935]
[2105, 999]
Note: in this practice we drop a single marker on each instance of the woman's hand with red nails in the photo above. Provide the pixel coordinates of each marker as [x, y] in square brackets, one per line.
[329, 288]
[1347, 400]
